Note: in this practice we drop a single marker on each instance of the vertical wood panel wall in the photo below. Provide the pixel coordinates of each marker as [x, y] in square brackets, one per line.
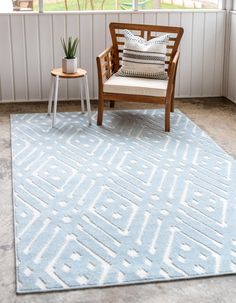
[231, 93]
[30, 47]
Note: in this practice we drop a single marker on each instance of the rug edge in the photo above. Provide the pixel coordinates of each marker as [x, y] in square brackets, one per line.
[13, 209]
[143, 282]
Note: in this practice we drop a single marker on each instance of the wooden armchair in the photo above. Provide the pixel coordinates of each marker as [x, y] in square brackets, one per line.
[112, 88]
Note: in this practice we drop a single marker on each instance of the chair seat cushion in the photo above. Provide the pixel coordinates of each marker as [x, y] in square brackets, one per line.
[135, 86]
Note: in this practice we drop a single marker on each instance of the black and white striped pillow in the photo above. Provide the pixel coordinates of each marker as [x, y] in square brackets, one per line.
[142, 58]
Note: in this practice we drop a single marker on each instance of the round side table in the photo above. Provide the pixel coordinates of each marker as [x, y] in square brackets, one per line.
[58, 74]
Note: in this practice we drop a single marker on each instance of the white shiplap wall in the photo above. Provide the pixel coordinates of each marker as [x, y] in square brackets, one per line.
[30, 47]
[231, 88]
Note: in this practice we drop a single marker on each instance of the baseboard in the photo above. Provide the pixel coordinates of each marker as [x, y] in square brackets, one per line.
[230, 99]
[96, 99]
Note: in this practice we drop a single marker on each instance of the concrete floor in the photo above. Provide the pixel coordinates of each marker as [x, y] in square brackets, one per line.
[217, 116]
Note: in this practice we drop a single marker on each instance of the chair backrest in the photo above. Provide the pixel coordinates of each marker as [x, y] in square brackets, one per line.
[148, 32]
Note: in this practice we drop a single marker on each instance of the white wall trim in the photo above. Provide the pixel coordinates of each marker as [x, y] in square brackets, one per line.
[95, 12]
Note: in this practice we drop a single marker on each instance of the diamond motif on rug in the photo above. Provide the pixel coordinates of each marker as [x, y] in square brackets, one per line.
[119, 204]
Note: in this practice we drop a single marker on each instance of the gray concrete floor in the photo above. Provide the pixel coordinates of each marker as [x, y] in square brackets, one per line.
[217, 116]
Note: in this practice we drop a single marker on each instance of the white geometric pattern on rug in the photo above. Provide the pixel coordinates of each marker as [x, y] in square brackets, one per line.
[125, 203]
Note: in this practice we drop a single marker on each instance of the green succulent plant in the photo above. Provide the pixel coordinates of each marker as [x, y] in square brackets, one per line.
[70, 46]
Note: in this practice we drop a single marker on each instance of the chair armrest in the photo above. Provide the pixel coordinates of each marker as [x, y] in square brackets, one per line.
[105, 66]
[172, 75]
[173, 66]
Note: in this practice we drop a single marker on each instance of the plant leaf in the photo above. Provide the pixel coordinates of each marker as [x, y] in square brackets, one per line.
[64, 47]
[74, 46]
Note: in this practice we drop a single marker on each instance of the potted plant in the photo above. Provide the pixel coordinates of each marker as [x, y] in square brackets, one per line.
[69, 62]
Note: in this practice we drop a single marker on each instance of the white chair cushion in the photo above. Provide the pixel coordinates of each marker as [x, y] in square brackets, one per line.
[135, 86]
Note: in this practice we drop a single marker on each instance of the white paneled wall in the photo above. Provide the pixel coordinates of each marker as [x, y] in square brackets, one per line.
[30, 47]
[231, 93]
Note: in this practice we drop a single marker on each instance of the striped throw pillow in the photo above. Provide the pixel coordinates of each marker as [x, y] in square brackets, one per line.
[142, 58]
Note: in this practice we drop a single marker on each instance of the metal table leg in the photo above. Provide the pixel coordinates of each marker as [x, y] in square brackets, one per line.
[55, 102]
[87, 99]
[81, 95]
[51, 96]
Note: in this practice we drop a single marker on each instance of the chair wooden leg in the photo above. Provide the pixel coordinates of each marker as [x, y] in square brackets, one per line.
[100, 111]
[167, 117]
[172, 105]
[112, 104]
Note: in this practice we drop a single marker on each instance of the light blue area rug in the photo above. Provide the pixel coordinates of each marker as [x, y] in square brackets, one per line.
[126, 203]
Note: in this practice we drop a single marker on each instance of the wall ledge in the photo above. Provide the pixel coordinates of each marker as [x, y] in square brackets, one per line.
[116, 12]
